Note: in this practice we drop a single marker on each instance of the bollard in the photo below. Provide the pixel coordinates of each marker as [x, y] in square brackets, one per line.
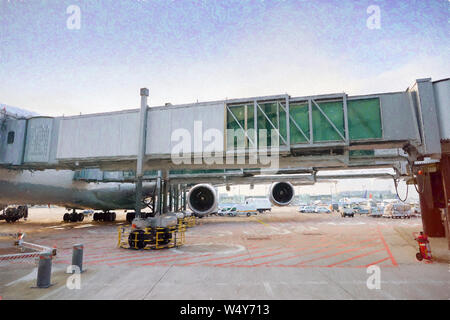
[77, 256]
[44, 270]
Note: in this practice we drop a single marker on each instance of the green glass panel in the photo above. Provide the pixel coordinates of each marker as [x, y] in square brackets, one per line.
[300, 115]
[364, 119]
[270, 109]
[239, 113]
[323, 130]
[283, 129]
[202, 171]
[251, 122]
[361, 153]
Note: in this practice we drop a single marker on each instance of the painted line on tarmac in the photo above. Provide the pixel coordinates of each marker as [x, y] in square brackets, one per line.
[387, 247]
[320, 250]
[170, 260]
[141, 259]
[336, 254]
[220, 258]
[376, 262]
[263, 256]
[355, 257]
[290, 257]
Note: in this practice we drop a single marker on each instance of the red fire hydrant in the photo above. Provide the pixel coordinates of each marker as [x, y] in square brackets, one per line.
[424, 247]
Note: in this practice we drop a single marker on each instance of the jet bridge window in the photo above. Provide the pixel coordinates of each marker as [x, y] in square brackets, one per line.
[10, 139]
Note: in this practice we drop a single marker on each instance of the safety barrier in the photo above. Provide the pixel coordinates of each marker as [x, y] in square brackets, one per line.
[188, 222]
[25, 257]
[151, 238]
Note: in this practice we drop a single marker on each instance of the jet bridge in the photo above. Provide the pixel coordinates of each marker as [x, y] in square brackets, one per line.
[322, 131]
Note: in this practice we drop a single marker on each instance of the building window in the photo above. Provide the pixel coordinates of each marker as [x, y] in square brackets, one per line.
[10, 137]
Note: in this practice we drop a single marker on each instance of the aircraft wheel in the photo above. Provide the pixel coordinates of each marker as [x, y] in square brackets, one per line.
[95, 217]
[108, 216]
[80, 217]
[101, 216]
[113, 216]
[130, 216]
[73, 217]
[66, 217]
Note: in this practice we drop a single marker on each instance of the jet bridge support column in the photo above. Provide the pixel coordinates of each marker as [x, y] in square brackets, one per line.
[445, 169]
[141, 150]
[183, 198]
[431, 197]
[164, 191]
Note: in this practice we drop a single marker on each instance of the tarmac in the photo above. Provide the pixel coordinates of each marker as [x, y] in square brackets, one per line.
[279, 255]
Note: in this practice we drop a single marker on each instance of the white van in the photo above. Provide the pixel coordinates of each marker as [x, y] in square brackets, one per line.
[261, 204]
[243, 210]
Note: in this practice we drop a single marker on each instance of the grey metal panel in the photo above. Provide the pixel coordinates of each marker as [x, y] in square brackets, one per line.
[398, 121]
[442, 98]
[38, 140]
[98, 136]
[162, 123]
[12, 154]
[54, 142]
[427, 116]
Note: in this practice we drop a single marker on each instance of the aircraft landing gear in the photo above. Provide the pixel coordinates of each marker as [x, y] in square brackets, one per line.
[131, 215]
[105, 216]
[73, 217]
[12, 214]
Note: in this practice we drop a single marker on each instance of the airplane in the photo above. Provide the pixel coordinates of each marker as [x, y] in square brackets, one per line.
[59, 188]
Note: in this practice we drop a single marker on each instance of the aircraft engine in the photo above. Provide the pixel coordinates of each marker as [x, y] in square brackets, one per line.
[281, 193]
[202, 199]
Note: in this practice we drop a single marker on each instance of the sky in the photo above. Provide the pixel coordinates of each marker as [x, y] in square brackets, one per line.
[187, 51]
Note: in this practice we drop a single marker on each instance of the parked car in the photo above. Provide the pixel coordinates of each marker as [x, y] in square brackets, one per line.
[224, 211]
[346, 210]
[323, 210]
[308, 209]
[360, 210]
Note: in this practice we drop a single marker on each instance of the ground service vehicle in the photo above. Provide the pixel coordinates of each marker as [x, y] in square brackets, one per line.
[346, 210]
[262, 205]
